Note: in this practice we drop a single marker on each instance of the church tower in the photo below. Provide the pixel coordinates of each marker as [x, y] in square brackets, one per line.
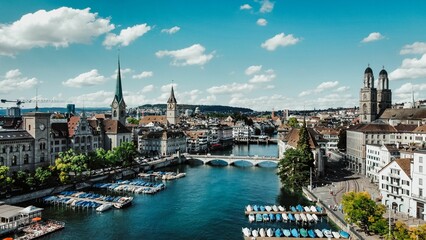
[384, 94]
[172, 108]
[368, 98]
[118, 106]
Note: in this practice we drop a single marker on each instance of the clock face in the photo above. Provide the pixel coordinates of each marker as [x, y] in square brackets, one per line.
[42, 126]
[114, 104]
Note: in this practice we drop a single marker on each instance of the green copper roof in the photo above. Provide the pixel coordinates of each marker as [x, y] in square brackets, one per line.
[118, 88]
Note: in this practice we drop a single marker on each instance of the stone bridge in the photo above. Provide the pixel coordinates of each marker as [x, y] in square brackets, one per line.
[231, 159]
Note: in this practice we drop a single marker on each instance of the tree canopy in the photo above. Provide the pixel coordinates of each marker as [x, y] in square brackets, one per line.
[292, 122]
[341, 144]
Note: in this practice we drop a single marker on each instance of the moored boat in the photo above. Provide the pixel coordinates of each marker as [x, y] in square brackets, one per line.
[315, 217]
[303, 217]
[251, 217]
[278, 232]
[275, 208]
[246, 232]
[249, 208]
[269, 232]
[293, 209]
[268, 208]
[285, 217]
[327, 233]
[255, 233]
[313, 209]
[262, 232]
[286, 232]
[265, 217]
[303, 232]
[297, 217]
[319, 233]
[291, 217]
[104, 207]
[281, 208]
[307, 209]
[255, 208]
[278, 217]
[262, 208]
[343, 234]
[259, 217]
[310, 218]
[319, 209]
[294, 232]
[123, 202]
[299, 208]
[271, 217]
[335, 234]
[311, 233]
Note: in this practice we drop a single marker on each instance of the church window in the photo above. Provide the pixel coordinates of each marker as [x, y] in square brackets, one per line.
[29, 127]
[26, 159]
[115, 113]
[14, 160]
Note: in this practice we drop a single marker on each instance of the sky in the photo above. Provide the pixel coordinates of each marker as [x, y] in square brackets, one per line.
[260, 54]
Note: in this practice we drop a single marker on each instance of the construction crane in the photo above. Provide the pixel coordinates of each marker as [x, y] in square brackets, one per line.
[19, 102]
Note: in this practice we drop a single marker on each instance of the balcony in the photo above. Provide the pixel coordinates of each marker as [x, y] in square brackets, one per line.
[394, 175]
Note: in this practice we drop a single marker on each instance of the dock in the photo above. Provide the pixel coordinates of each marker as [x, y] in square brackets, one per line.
[286, 212]
[282, 238]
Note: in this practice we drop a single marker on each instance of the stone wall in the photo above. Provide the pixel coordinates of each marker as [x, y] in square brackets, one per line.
[35, 195]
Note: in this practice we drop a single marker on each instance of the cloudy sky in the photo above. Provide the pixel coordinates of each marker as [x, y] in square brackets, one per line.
[260, 54]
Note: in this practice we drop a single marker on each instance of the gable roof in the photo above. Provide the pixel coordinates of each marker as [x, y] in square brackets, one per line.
[403, 163]
[153, 119]
[72, 124]
[404, 114]
[420, 129]
[114, 127]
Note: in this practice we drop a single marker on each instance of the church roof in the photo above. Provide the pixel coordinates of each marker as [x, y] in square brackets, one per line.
[118, 88]
[383, 72]
[368, 70]
[404, 114]
[172, 98]
[153, 119]
[114, 127]
[59, 129]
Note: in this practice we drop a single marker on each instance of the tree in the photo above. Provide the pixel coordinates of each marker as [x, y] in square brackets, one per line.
[305, 147]
[361, 210]
[126, 153]
[291, 170]
[132, 120]
[42, 175]
[341, 145]
[5, 180]
[70, 163]
[292, 122]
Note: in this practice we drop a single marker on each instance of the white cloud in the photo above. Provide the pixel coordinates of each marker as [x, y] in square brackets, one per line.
[253, 69]
[266, 6]
[260, 103]
[415, 48]
[326, 85]
[208, 100]
[168, 87]
[270, 87]
[90, 78]
[123, 72]
[341, 89]
[245, 7]
[58, 28]
[321, 87]
[374, 36]
[147, 88]
[172, 30]
[279, 40]
[268, 76]
[193, 55]
[95, 99]
[405, 92]
[230, 88]
[14, 81]
[411, 68]
[144, 74]
[126, 36]
[261, 22]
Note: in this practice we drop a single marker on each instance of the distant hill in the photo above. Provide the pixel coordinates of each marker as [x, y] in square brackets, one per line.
[203, 108]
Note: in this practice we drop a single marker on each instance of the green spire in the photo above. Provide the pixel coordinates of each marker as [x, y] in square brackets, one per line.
[118, 88]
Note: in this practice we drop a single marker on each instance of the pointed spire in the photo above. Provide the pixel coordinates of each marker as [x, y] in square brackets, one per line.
[118, 88]
[172, 98]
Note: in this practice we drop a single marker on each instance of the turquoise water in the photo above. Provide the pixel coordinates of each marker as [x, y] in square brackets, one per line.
[207, 204]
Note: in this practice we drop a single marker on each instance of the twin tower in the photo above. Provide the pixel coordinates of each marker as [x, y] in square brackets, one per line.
[373, 101]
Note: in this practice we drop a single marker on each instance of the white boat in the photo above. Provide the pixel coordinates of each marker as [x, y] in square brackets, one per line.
[249, 208]
[270, 233]
[336, 234]
[104, 207]
[310, 218]
[268, 208]
[319, 233]
[123, 202]
[315, 217]
[281, 208]
[262, 232]
[255, 233]
[297, 217]
[251, 217]
[313, 209]
[327, 233]
[246, 232]
[285, 218]
[275, 208]
[307, 209]
[303, 217]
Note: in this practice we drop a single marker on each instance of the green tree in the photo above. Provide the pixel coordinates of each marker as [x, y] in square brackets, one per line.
[399, 231]
[291, 170]
[132, 120]
[361, 210]
[20, 180]
[304, 146]
[126, 153]
[341, 144]
[42, 176]
[70, 163]
[292, 122]
[5, 180]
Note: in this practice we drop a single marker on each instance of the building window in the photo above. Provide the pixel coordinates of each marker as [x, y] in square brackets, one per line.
[420, 159]
[420, 181]
[1, 160]
[420, 169]
[420, 192]
[26, 159]
[42, 157]
[23, 147]
[14, 160]
[29, 127]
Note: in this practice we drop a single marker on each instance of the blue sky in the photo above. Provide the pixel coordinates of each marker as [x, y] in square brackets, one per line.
[259, 54]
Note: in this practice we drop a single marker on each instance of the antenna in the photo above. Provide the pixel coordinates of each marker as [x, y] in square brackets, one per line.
[36, 106]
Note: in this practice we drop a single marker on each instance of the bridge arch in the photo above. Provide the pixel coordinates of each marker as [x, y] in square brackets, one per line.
[242, 163]
[217, 162]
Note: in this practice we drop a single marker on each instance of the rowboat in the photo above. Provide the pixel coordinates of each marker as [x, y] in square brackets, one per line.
[294, 232]
[285, 218]
[249, 208]
[246, 232]
[303, 232]
[286, 232]
[335, 234]
[281, 208]
[275, 208]
[343, 234]
[319, 233]
[311, 233]
[313, 209]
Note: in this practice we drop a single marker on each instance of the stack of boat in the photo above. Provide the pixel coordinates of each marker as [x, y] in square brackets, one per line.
[280, 214]
[134, 186]
[294, 232]
[162, 175]
[84, 200]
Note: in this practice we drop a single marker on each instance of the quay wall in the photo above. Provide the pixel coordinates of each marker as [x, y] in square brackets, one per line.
[35, 195]
[333, 217]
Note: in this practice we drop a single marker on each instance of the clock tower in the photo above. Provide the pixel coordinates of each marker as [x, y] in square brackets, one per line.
[118, 106]
[37, 124]
[172, 108]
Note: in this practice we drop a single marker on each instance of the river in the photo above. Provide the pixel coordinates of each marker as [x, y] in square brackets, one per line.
[207, 204]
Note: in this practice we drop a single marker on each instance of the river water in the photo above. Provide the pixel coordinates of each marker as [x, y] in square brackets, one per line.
[207, 204]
